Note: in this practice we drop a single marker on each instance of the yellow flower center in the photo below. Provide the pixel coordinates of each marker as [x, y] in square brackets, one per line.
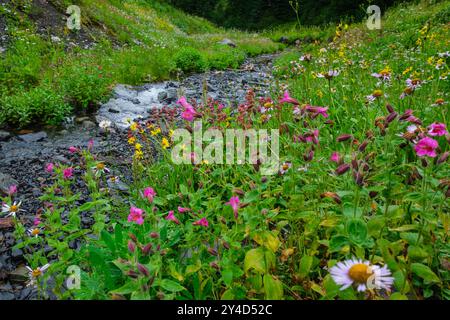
[360, 273]
[35, 232]
[36, 273]
[14, 208]
[377, 93]
[100, 166]
[285, 167]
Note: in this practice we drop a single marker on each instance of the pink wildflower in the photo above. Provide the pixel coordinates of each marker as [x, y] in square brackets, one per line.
[49, 167]
[288, 99]
[183, 210]
[73, 150]
[426, 147]
[318, 111]
[136, 215]
[335, 157]
[234, 203]
[202, 222]
[150, 194]
[171, 217]
[437, 129]
[12, 190]
[68, 173]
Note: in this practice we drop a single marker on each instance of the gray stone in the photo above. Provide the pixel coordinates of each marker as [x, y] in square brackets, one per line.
[228, 42]
[81, 119]
[6, 296]
[162, 96]
[4, 135]
[88, 124]
[6, 181]
[19, 275]
[33, 137]
[15, 253]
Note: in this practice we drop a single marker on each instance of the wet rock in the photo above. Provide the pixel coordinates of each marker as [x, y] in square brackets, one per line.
[6, 296]
[88, 124]
[6, 181]
[19, 275]
[4, 135]
[228, 42]
[81, 119]
[16, 253]
[33, 137]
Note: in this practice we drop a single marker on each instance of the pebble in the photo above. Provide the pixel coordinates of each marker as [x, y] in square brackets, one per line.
[33, 137]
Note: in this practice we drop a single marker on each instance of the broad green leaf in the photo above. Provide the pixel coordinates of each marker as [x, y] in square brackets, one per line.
[398, 296]
[273, 288]
[227, 276]
[128, 288]
[171, 286]
[357, 231]
[254, 259]
[424, 272]
[337, 243]
[305, 266]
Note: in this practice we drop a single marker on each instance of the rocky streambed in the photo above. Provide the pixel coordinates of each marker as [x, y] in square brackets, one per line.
[24, 156]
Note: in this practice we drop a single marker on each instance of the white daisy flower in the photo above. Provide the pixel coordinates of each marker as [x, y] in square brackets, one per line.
[105, 124]
[33, 274]
[34, 232]
[11, 210]
[100, 168]
[285, 167]
[361, 274]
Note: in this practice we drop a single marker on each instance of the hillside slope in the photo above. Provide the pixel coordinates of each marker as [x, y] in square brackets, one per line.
[48, 71]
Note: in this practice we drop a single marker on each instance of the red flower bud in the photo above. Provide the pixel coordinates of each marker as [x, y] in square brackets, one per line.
[143, 269]
[344, 137]
[343, 168]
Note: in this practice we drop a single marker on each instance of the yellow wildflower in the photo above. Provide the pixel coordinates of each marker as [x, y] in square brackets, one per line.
[165, 143]
[132, 140]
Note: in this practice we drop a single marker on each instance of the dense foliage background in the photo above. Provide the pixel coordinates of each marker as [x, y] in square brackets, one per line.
[254, 14]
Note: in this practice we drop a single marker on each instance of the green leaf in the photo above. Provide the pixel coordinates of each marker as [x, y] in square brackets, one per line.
[417, 253]
[398, 296]
[227, 276]
[108, 240]
[184, 190]
[171, 286]
[273, 288]
[254, 259]
[424, 272]
[337, 243]
[305, 266]
[128, 288]
[228, 295]
[357, 231]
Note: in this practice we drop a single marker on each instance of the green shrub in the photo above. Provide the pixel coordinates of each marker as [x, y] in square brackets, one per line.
[84, 85]
[26, 107]
[190, 60]
[225, 58]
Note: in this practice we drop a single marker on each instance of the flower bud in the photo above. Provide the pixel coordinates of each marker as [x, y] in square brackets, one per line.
[443, 158]
[389, 108]
[212, 251]
[391, 117]
[343, 168]
[147, 249]
[154, 235]
[131, 246]
[362, 147]
[344, 137]
[143, 269]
